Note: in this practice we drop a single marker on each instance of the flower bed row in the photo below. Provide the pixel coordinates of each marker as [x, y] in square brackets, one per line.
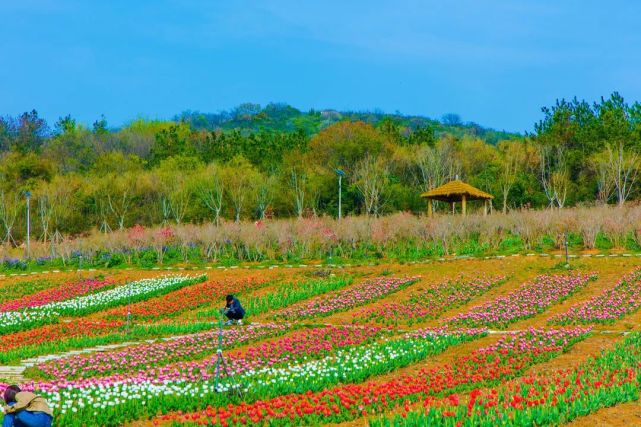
[59, 293]
[12, 290]
[145, 363]
[57, 332]
[530, 299]
[12, 321]
[343, 403]
[188, 298]
[430, 303]
[114, 404]
[360, 294]
[551, 399]
[75, 334]
[149, 357]
[287, 294]
[623, 299]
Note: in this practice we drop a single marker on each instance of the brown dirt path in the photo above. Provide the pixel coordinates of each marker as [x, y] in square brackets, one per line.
[623, 415]
[577, 354]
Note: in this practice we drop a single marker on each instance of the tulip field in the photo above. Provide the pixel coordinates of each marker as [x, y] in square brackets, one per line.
[516, 341]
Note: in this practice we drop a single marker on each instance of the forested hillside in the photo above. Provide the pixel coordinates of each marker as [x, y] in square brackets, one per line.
[285, 118]
[276, 161]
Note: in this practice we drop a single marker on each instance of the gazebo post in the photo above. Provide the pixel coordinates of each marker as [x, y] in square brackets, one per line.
[485, 207]
[430, 208]
[453, 207]
[463, 204]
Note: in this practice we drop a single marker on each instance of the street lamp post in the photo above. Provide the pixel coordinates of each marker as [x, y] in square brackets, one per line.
[28, 248]
[340, 174]
[567, 256]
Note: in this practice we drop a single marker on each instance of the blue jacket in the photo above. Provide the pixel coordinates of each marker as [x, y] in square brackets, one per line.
[235, 307]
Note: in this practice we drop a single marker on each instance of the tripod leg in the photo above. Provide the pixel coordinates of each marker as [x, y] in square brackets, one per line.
[219, 358]
[231, 376]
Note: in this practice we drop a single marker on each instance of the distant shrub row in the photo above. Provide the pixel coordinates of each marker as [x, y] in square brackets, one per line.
[400, 237]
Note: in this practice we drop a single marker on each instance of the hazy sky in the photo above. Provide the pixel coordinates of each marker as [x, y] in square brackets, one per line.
[493, 62]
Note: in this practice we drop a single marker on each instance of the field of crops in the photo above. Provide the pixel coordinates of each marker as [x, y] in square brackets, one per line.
[520, 341]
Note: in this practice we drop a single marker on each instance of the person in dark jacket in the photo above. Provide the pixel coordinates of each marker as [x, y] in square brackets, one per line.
[233, 310]
[25, 409]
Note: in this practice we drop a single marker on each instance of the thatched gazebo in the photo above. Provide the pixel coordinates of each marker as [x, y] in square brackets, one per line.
[456, 191]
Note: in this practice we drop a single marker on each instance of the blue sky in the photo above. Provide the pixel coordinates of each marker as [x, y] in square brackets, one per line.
[493, 62]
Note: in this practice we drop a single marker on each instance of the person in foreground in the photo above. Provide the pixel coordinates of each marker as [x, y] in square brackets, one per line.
[233, 310]
[25, 409]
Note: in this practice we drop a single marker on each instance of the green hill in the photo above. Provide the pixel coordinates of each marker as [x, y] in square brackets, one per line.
[282, 117]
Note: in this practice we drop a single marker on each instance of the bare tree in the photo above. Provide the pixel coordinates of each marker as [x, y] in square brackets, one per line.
[9, 207]
[554, 176]
[177, 193]
[605, 183]
[211, 190]
[102, 209]
[119, 197]
[436, 165]
[370, 178]
[511, 156]
[298, 183]
[54, 201]
[624, 168]
[560, 182]
[45, 212]
[165, 208]
[239, 178]
[99, 190]
[264, 194]
[180, 200]
[315, 186]
[60, 202]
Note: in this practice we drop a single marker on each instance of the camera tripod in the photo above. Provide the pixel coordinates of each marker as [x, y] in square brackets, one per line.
[221, 364]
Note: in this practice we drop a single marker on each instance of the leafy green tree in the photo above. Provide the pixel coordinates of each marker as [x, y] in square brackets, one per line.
[117, 162]
[100, 126]
[66, 124]
[25, 171]
[72, 149]
[391, 129]
[26, 133]
[344, 144]
[170, 142]
[423, 135]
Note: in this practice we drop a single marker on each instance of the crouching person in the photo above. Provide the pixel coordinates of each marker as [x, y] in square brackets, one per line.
[25, 409]
[233, 310]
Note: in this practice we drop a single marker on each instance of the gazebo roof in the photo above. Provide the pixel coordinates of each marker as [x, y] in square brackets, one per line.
[454, 191]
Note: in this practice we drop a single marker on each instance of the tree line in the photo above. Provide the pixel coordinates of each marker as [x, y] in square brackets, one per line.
[159, 172]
